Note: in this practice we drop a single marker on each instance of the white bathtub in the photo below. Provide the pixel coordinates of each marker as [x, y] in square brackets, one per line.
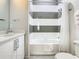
[44, 38]
[44, 44]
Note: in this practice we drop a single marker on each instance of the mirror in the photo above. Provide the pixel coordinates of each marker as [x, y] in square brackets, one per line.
[4, 15]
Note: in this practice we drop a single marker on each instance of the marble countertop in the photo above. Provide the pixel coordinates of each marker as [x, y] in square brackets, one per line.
[6, 37]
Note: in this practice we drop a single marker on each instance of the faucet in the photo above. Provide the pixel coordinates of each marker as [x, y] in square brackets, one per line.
[9, 31]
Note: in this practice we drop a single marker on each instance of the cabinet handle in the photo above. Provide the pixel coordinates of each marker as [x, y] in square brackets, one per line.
[15, 44]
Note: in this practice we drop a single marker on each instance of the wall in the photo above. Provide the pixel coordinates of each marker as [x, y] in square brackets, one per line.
[18, 15]
[75, 6]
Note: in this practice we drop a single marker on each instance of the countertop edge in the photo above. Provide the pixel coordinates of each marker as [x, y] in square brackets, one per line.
[8, 38]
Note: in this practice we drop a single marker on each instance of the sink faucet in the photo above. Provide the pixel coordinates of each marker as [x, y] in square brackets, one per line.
[8, 31]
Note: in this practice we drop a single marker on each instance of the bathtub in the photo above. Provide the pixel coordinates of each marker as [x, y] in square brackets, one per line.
[44, 44]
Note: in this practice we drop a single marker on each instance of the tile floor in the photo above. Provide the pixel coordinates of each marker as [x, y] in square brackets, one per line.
[42, 57]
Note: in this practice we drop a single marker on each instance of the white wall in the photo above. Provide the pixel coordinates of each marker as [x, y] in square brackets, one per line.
[18, 15]
[75, 7]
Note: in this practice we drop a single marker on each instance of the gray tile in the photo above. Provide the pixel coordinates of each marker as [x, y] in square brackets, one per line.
[42, 57]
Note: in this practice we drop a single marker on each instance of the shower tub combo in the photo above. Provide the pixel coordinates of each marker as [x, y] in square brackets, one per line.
[48, 28]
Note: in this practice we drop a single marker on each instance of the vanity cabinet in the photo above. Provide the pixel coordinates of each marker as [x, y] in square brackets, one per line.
[13, 53]
[13, 48]
[20, 49]
[6, 50]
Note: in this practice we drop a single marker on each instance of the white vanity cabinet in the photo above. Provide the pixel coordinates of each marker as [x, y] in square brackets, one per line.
[20, 49]
[5, 50]
[13, 53]
[12, 48]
